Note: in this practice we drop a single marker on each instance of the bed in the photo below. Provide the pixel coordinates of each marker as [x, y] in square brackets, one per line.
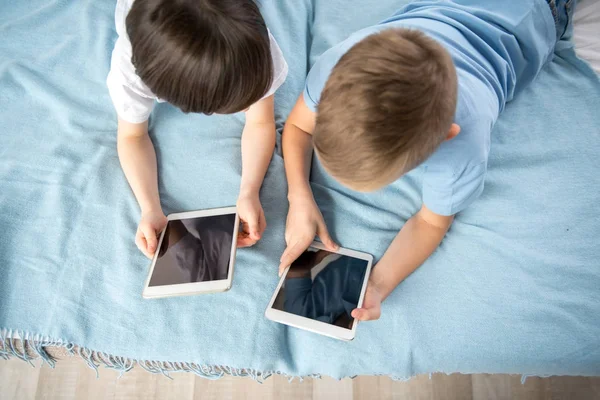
[514, 288]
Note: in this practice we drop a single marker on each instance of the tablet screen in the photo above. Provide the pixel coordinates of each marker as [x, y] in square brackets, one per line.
[195, 250]
[323, 286]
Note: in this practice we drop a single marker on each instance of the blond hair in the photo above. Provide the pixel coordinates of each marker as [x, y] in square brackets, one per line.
[387, 106]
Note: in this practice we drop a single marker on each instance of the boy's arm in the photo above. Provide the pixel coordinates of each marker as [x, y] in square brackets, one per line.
[417, 240]
[258, 143]
[304, 219]
[138, 160]
[298, 149]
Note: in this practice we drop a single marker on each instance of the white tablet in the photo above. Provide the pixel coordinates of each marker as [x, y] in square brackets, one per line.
[196, 254]
[319, 291]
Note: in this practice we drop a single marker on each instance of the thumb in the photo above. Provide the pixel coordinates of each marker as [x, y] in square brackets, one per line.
[262, 222]
[366, 314]
[151, 240]
[291, 253]
[323, 234]
[253, 226]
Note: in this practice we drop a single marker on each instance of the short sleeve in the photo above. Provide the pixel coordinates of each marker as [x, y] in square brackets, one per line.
[316, 80]
[131, 98]
[320, 71]
[448, 193]
[319, 74]
[280, 67]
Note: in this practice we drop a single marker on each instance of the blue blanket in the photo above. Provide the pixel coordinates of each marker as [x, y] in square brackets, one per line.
[514, 287]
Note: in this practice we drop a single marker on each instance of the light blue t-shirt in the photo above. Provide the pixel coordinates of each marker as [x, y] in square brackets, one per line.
[498, 48]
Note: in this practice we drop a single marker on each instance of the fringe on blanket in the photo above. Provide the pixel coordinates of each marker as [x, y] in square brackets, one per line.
[29, 347]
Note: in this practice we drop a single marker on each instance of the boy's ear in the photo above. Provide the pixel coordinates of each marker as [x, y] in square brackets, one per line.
[454, 130]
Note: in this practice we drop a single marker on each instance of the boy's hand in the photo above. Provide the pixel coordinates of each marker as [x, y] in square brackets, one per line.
[304, 222]
[371, 308]
[151, 225]
[253, 220]
[417, 240]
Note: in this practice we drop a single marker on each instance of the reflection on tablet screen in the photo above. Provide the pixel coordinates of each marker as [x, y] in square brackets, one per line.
[195, 250]
[323, 286]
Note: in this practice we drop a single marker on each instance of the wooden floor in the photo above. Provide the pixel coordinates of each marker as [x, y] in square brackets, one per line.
[72, 379]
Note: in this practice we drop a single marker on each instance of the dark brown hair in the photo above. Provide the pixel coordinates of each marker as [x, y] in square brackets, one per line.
[203, 56]
[387, 106]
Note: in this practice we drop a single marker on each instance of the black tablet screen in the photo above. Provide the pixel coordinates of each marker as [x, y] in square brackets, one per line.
[195, 250]
[323, 286]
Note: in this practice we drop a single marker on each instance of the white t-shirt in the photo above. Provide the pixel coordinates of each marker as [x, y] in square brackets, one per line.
[131, 97]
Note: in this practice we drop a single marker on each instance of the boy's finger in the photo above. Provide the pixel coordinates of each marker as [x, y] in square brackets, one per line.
[291, 252]
[140, 242]
[284, 263]
[242, 233]
[373, 314]
[253, 227]
[366, 314]
[323, 234]
[245, 241]
[139, 237]
[262, 223]
[151, 240]
[285, 253]
[290, 255]
[142, 246]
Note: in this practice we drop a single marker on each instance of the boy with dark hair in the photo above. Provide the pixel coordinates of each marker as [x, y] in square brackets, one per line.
[421, 89]
[203, 56]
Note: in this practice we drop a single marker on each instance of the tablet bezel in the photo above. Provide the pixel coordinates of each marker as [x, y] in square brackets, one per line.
[186, 289]
[311, 325]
